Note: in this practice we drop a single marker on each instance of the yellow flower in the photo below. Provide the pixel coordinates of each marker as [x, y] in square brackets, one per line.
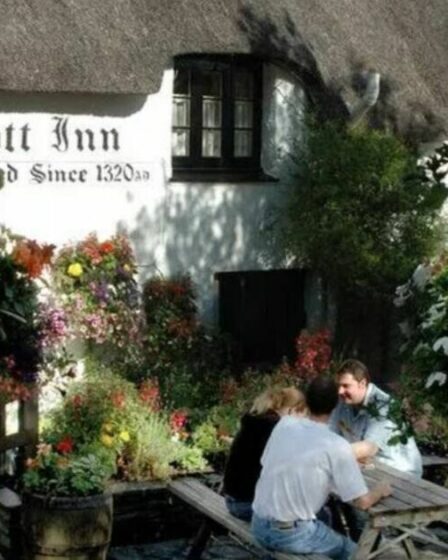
[107, 440]
[124, 436]
[75, 270]
[108, 428]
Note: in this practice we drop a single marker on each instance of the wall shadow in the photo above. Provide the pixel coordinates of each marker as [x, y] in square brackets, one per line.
[284, 45]
[204, 229]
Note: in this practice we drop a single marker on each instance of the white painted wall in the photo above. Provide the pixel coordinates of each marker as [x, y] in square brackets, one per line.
[199, 228]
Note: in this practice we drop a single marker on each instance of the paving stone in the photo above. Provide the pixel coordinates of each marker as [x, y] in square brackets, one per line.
[221, 549]
[225, 549]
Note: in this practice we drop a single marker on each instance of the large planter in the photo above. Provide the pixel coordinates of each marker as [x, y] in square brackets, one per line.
[67, 528]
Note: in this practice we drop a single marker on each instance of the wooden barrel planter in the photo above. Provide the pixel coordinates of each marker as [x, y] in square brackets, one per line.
[67, 528]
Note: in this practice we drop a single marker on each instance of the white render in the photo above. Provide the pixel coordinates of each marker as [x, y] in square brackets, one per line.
[195, 228]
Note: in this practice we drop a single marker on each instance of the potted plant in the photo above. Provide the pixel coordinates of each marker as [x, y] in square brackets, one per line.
[66, 509]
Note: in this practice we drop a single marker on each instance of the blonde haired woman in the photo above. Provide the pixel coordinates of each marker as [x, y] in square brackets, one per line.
[243, 465]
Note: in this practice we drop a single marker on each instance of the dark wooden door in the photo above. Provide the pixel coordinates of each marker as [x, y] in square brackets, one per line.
[263, 311]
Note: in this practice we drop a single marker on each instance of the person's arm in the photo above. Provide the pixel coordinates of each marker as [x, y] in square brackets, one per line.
[373, 496]
[364, 450]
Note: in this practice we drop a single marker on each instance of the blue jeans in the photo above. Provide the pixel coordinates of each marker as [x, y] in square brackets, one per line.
[241, 510]
[303, 537]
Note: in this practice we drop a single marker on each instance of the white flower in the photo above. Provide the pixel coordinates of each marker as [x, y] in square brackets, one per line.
[421, 276]
[403, 293]
[435, 312]
[436, 377]
[441, 343]
[80, 368]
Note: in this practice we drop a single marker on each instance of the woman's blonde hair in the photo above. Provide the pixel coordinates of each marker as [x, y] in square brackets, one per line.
[279, 398]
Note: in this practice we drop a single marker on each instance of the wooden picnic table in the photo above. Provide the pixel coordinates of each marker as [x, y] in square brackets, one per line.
[413, 505]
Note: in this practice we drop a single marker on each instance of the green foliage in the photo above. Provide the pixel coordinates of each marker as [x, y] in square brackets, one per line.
[424, 380]
[363, 213]
[206, 438]
[105, 414]
[53, 474]
[190, 459]
[179, 351]
[21, 262]
[395, 412]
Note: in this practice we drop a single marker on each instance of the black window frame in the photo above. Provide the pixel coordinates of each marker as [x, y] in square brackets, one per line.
[227, 166]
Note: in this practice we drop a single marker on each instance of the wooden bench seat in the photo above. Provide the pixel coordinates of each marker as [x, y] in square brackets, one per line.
[212, 505]
[434, 461]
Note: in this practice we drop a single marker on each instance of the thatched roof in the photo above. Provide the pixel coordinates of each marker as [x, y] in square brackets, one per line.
[123, 46]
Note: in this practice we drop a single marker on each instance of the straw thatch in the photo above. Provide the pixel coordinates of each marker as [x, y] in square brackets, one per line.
[123, 46]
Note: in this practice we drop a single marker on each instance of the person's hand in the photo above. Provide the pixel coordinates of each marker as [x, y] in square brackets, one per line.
[385, 489]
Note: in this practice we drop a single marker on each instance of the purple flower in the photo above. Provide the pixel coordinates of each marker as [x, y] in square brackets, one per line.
[100, 291]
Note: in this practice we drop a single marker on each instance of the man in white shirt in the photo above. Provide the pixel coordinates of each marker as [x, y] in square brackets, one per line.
[303, 463]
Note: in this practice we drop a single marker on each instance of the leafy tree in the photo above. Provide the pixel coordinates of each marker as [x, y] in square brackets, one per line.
[364, 212]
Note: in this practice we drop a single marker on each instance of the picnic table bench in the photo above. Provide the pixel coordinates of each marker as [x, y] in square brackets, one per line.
[413, 505]
[212, 505]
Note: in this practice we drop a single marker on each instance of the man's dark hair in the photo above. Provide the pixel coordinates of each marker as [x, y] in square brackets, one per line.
[355, 368]
[322, 396]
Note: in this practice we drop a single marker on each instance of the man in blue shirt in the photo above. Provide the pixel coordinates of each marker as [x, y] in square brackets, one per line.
[363, 414]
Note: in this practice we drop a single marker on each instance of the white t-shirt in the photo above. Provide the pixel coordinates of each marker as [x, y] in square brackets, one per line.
[303, 462]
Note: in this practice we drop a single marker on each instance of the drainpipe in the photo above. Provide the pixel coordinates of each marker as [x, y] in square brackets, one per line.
[367, 101]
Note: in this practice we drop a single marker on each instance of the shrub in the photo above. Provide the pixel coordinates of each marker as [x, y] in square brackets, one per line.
[105, 413]
[313, 354]
[179, 351]
[21, 262]
[364, 212]
[423, 304]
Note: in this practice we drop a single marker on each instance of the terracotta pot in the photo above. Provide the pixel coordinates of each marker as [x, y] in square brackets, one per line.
[61, 528]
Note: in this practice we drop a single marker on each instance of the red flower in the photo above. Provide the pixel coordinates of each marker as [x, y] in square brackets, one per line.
[65, 445]
[107, 247]
[313, 353]
[149, 393]
[178, 419]
[32, 256]
[118, 399]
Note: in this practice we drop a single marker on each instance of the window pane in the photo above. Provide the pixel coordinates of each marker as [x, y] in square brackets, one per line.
[211, 143]
[211, 113]
[182, 81]
[211, 84]
[243, 84]
[243, 114]
[181, 111]
[242, 143]
[180, 142]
